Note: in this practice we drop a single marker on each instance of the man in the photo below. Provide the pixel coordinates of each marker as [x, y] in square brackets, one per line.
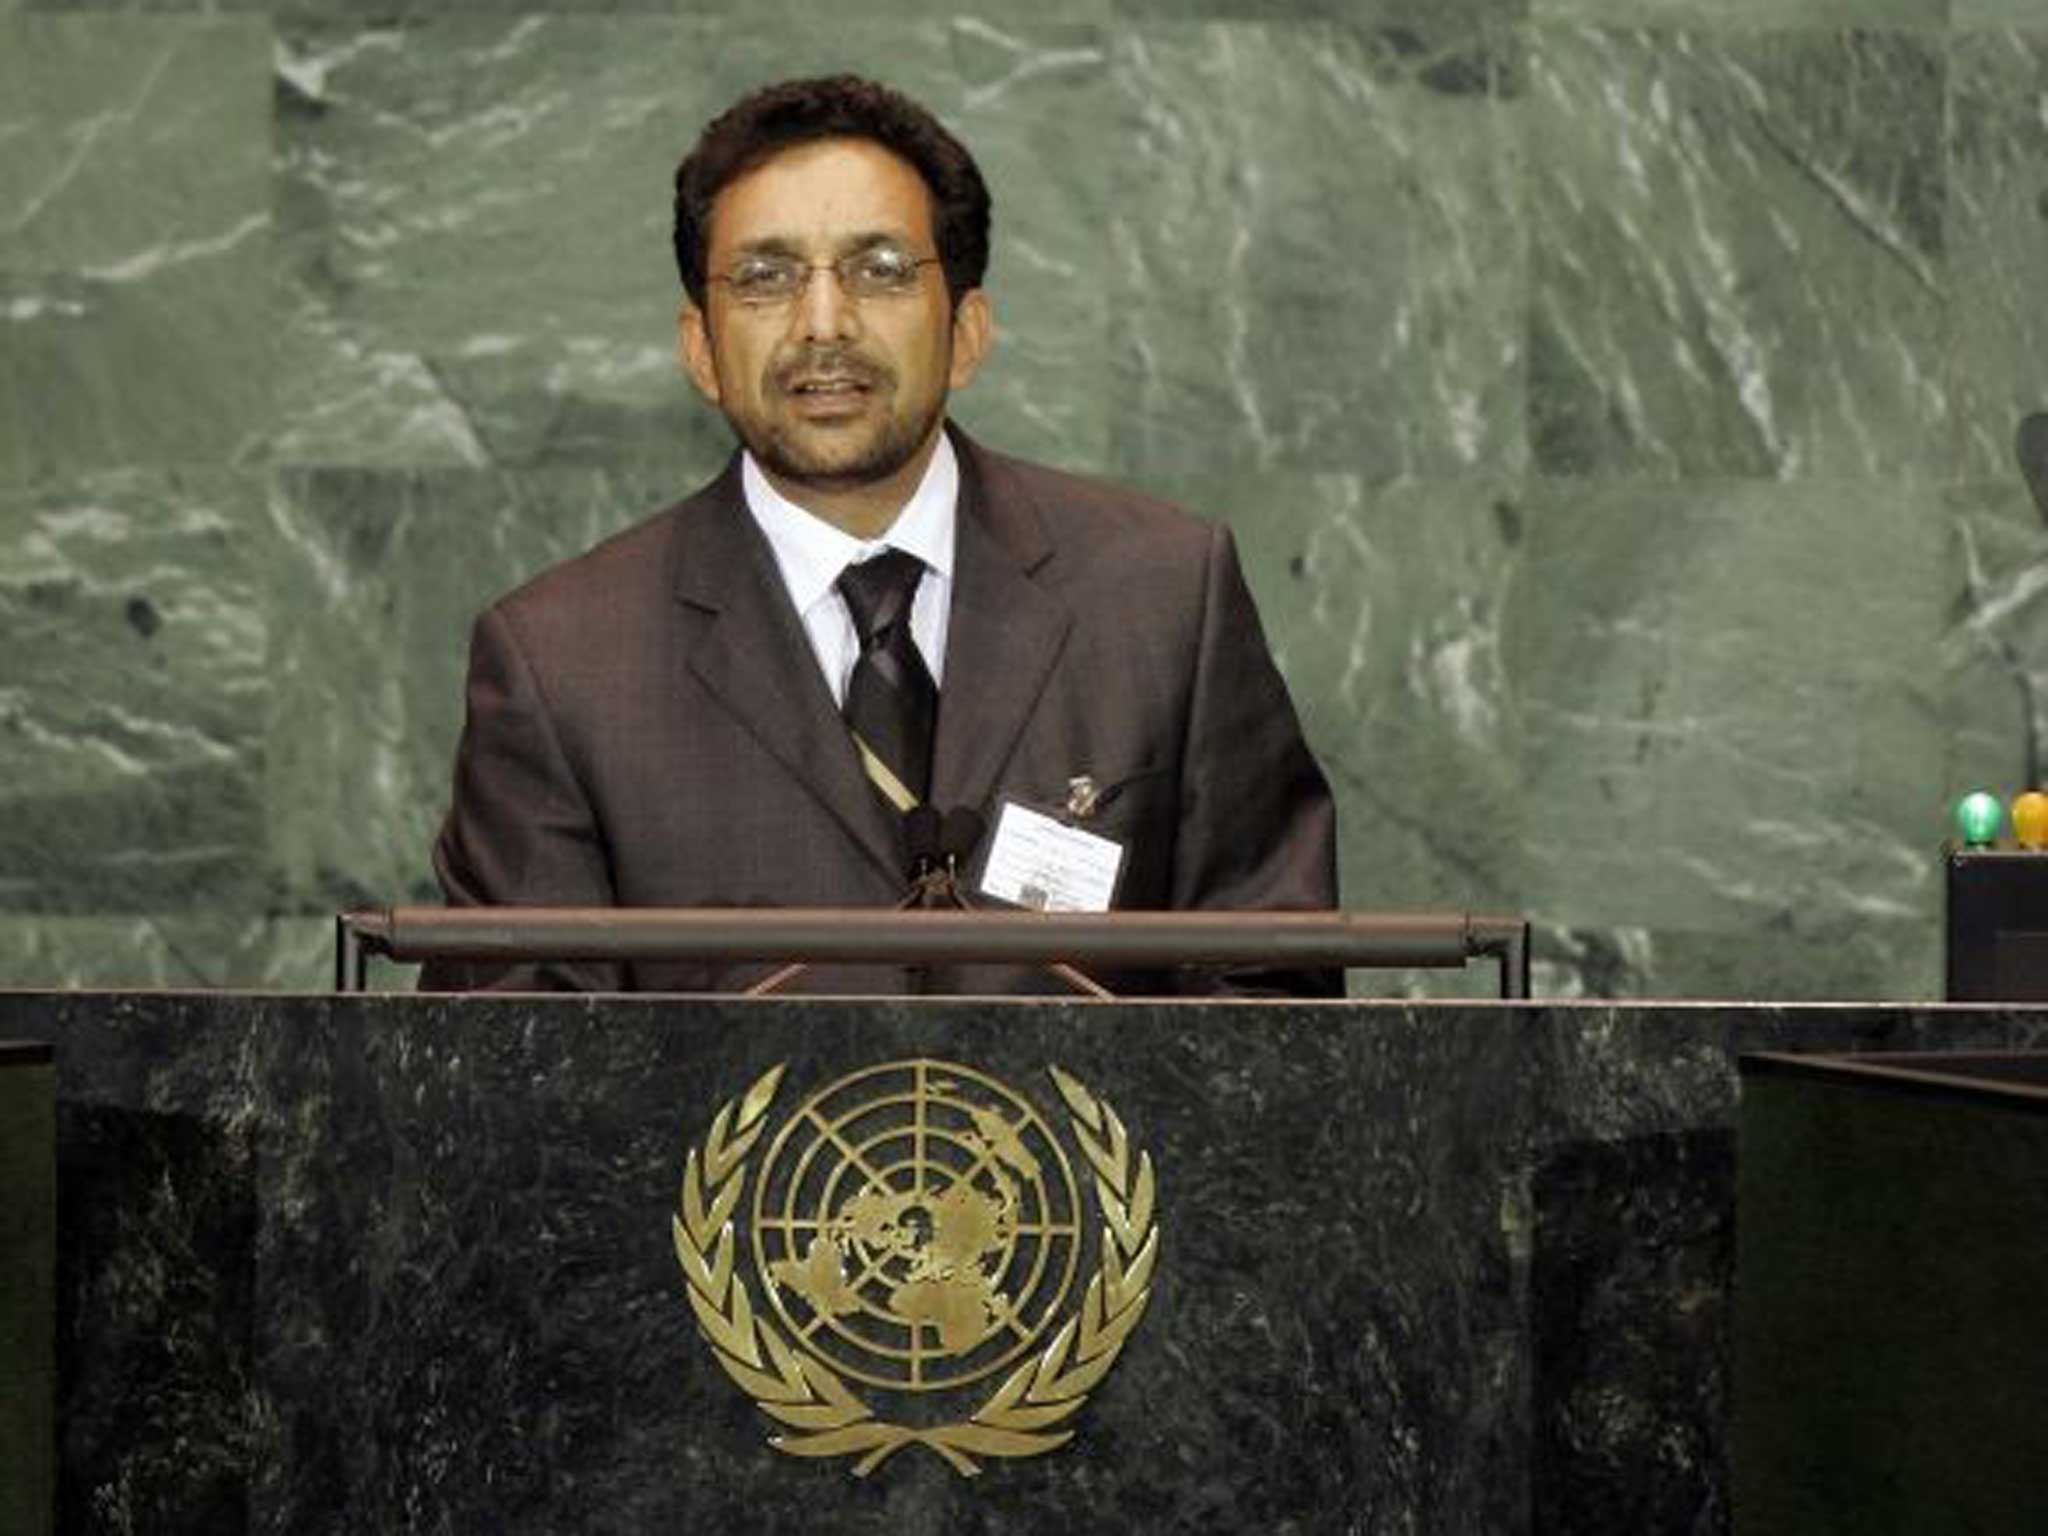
[736, 702]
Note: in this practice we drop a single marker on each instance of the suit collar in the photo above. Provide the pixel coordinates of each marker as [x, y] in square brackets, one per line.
[1005, 632]
[752, 655]
[992, 493]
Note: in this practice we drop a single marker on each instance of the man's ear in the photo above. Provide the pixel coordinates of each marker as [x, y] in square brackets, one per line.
[693, 350]
[974, 336]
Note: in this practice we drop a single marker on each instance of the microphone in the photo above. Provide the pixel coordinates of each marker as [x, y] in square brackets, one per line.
[960, 831]
[2032, 449]
[922, 840]
[937, 845]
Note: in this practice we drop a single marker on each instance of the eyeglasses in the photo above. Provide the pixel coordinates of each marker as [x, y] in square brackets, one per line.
[875, 272]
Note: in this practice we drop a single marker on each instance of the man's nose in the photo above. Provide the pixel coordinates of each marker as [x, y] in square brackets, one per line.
[824, 311]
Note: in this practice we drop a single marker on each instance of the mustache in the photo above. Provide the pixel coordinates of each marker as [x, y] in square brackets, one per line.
[830, 362]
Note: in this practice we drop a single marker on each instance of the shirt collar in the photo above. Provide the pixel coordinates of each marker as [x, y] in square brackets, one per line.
[811, 553]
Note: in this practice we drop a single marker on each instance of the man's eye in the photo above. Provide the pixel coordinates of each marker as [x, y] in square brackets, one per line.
[761, 279]
[884, 268]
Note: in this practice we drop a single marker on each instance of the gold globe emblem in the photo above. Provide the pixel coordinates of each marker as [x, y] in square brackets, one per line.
[916, 1224]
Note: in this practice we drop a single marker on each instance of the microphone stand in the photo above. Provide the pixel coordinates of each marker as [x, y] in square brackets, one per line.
[935, 886]
[939, 886]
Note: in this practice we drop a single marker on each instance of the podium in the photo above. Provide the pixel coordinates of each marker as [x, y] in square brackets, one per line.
[342, 1263]
[1893, 1337]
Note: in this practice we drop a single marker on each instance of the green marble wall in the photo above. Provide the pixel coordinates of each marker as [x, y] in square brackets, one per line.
[1613, 398]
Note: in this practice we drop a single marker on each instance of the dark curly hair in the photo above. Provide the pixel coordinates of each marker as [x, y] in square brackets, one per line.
[772, 119]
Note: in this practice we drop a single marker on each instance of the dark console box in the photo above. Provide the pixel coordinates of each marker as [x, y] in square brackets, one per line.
[1997, 925]
[28, 1287]
[1892, 1236]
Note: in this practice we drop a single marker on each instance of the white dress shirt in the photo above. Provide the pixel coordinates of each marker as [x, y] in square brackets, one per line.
[810, 553]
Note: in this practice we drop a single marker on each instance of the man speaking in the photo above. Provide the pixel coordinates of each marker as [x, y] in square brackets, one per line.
[744, 700]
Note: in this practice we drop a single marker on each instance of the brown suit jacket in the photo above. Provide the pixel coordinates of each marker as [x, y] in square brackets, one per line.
[647, 726]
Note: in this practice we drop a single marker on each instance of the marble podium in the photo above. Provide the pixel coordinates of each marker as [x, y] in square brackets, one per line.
[407, 1263]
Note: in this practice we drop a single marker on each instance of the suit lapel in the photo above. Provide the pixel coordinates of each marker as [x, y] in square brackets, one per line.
[1002, 637]
[753, 656]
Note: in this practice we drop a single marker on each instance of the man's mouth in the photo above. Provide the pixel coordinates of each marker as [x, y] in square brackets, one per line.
[830, 395]
[835, 384]
[824, 376]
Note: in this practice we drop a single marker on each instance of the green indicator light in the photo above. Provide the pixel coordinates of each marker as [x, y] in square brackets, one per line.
[1978, 817]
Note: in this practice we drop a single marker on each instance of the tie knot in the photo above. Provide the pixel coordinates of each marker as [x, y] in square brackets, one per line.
[878, 592]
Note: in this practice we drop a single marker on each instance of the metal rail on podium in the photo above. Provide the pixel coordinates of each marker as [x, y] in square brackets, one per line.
[815, 935]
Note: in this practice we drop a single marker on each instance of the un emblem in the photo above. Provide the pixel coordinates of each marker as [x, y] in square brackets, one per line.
[917, 1228]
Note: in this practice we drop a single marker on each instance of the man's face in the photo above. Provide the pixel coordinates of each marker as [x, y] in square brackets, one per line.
[830, 392]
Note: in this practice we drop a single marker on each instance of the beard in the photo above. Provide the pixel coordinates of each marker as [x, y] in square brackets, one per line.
[837, 456]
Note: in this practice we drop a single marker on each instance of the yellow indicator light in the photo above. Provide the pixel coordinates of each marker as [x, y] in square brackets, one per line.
[2030, 819]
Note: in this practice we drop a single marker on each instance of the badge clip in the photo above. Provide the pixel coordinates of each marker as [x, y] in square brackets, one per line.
[1083, 794]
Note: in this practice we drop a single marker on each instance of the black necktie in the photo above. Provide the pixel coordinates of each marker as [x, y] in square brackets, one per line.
[892, 705]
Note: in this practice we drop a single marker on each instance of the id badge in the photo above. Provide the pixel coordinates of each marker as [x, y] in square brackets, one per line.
[1038, 861]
